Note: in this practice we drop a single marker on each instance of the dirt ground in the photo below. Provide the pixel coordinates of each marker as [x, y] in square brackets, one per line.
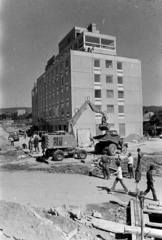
[30, 187]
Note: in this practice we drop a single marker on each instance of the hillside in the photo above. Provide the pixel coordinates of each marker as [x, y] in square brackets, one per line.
[13, 110]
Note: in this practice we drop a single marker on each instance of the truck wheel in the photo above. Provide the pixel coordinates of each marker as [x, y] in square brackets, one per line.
[124, 150]
[81, 154]
[98, 148]
[58, 155]
[112, 149]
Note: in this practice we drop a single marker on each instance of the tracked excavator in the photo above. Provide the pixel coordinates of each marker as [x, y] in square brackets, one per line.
[61, 143]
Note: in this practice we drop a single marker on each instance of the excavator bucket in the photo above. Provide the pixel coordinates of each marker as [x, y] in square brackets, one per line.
[104, 127]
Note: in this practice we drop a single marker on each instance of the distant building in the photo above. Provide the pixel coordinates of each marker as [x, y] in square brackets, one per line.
[20, 112]
[88, 66]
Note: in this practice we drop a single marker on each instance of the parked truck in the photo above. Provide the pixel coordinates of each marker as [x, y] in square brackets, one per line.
[110, 142]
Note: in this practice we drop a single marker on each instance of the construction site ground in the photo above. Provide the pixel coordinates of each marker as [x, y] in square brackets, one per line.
[31, 186]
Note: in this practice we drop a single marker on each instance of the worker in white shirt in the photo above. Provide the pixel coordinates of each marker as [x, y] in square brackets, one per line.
[130, 165]
[119, 178]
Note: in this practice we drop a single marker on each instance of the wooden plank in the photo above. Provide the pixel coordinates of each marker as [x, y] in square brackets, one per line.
[108, 225]
[132, 217]
[155, 204]
[146, 218]
[156, 233]
[137, 213]
[154, 208]
[145, 210]
[153, 224]
[132, 212]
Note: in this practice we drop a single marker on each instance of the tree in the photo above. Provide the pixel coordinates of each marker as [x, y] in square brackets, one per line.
[156, 119]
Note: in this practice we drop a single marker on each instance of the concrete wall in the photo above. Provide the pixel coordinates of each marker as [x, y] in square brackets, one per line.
[81, 88]
[82, 85]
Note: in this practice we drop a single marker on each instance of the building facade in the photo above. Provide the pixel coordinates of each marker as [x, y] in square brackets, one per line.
[88, 66]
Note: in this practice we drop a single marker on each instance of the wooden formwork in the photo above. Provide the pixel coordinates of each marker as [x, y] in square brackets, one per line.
[150, 228]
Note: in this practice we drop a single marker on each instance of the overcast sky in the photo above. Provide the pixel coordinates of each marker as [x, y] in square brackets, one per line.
[31, 30]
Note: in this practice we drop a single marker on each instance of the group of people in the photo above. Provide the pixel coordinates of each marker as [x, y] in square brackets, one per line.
[105, 162]
[34, 143]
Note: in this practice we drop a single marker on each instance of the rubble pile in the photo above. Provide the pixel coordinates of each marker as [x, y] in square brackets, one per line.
[20, 222]
[60, 223]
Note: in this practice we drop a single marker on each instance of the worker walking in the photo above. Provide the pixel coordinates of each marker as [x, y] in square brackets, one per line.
[36, 143]
[119, 178]
[138, 170]
[150, 183]
[130, 165]
[104, 163]
[31, 144]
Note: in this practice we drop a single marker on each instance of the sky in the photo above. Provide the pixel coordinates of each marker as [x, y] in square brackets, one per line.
[30, 31]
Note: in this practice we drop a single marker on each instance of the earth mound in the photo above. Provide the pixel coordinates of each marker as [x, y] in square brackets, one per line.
[132, 137]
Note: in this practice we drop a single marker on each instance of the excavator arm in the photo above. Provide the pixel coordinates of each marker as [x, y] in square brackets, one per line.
[78, 113]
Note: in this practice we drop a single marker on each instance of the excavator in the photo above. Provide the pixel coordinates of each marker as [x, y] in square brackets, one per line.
[78, 112]
[61, 143]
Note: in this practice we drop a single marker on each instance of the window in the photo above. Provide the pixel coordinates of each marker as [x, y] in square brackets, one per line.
[109, 79]
[97, 78]
[96, 63]
[106, 43]
[97, 93]
[61, 67]
[98, 107]
[122, 129]
[56, 70]
[108, 64]
[120, 80]
[67, 87]
[49, 113]
[67, 102]
[121, 108]
[119, 66]
[66, 63]
[92, 39]
[62, 80]
[120, 94]
[109, 93]
[110, 108]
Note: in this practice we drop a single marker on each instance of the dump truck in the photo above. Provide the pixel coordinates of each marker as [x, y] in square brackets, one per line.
[110, 142]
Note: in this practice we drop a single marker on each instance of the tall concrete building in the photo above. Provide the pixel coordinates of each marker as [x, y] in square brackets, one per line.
[87, 65]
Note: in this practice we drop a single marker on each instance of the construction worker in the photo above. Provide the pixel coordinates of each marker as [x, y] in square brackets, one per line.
[150, 183]
[139, 166]
[36, 143]
[104, 119]
[130, 165]
[119, 178]
[104, 164]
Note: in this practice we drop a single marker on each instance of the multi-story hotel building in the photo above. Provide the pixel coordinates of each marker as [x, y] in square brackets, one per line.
[87, 65]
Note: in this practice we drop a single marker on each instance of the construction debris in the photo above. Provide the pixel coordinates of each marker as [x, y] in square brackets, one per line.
[26, 225]
[96, 214]
[73, 212]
